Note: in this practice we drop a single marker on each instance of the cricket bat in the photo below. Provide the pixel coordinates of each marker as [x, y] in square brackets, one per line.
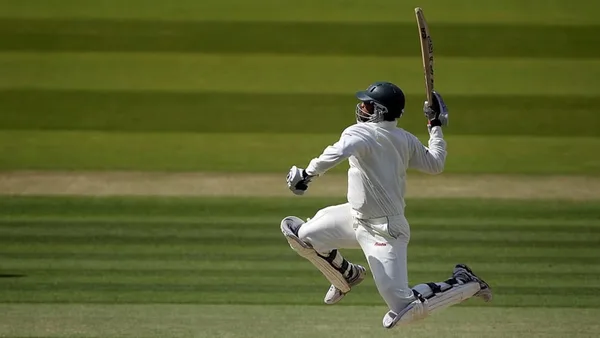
[426, 52]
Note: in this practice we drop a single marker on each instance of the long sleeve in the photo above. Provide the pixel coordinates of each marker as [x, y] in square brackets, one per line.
[430, 160]
[349, 144]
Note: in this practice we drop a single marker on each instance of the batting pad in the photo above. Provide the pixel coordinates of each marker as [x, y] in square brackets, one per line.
[414, 312]
[455, 295]
[306, 251]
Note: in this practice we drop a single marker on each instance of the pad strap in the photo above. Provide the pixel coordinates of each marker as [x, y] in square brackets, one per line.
[434, 288]
[344, 267]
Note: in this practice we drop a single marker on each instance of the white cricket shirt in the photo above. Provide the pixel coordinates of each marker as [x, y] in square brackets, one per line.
[379, 155]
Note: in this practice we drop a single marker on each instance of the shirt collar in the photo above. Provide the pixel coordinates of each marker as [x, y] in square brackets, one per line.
[387, 124]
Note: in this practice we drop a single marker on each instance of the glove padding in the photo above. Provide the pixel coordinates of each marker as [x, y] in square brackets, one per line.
[437, 113]
[298, 180]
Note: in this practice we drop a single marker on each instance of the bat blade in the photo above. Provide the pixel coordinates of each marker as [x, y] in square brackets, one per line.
[426, 52]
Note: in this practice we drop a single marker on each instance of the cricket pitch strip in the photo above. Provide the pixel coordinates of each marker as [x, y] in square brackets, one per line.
[273, 185]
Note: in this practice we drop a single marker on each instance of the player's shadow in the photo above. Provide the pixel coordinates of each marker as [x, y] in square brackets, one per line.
[11, 275]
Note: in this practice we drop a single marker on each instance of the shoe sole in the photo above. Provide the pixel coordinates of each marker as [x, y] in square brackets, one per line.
[354, 283]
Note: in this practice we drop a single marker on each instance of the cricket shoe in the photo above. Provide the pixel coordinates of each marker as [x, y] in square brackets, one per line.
[464, 274]
[334, 294]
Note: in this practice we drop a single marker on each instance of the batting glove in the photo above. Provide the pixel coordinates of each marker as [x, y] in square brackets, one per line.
[298, 180]
[437, 112]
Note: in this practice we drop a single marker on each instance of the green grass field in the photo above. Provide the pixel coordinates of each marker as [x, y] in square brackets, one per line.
[197, 68]
[118, 266]
[245, 89]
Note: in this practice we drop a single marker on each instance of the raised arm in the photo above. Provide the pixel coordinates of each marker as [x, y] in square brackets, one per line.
[431, 159]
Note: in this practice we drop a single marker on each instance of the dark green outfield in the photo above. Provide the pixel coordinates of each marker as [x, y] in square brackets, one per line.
[574, 12]
[230, 251]
[157, 111]
[304, 38]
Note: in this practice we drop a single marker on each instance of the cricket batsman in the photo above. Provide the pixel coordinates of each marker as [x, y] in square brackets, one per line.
[379, 154]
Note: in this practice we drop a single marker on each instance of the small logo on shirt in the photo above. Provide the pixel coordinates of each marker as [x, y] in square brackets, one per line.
[380, 244]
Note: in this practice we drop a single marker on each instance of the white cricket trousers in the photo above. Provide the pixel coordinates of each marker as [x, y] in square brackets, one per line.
[384, 242]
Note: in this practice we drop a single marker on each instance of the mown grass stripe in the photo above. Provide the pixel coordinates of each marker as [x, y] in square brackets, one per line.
[259, 241]
[236, 266]
[313, 297]
[304, 38]
[303, 272]
[244, 287]
[226, 207]
[564, 228]
[574, 12]
[267, 233]
[31, 109]
[167, 251]
[16, 280]
[585, 223]
[282, 257]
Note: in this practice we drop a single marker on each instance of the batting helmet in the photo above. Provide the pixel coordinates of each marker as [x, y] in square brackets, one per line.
[384, 101]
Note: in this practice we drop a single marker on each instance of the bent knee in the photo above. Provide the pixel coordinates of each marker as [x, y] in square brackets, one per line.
[314, 236]
[306, 233]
